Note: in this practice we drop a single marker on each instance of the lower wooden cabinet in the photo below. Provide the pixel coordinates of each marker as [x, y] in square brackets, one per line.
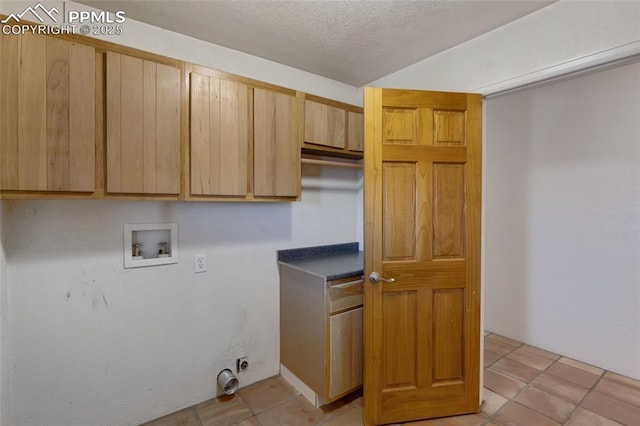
[321, 333]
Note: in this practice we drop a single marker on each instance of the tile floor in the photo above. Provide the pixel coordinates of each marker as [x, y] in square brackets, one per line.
[524, 386]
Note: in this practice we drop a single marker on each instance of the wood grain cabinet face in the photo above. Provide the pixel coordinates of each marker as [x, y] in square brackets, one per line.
[345, 349]
[219, 136]
[355, 131]
[324, 124]
[143, 126]
[277, 142]
[47, 114]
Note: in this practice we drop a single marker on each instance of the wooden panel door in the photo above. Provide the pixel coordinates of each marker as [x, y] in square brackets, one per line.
[47, 115]
[219, 136]
[422, 229]
[324, 124]
[143, 126]
[276, 144]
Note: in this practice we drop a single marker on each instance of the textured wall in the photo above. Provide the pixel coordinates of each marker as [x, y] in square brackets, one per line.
[94, 343]
[562, 267]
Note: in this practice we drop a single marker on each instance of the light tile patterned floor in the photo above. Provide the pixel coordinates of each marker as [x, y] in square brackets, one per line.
[524, 386]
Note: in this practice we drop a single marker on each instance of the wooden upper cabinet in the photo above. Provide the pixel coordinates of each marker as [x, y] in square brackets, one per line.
[324, 124]
[219, 136]
[47, 114]
[355, 131]
[277, 141]
[245, 138]
[332, 128]
[143, 126]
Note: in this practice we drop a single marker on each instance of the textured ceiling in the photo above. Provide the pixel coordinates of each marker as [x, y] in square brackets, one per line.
[354, 42]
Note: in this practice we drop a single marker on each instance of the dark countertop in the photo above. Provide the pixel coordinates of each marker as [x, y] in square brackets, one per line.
[329, 262]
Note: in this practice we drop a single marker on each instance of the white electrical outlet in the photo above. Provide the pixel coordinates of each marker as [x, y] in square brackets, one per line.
[200, 263]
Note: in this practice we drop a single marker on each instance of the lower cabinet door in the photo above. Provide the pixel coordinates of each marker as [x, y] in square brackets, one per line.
[345, 363]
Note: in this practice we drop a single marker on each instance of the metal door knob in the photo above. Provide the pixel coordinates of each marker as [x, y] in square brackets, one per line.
[375, 277]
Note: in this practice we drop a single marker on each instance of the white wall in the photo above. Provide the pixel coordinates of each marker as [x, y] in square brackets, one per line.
[96, 344]
[563, 218]
[562, 32]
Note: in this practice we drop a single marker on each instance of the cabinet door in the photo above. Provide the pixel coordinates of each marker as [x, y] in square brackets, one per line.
[345, 363]
[47, 114]
[355, 126]
[324, 124]
[277, 143]
[143, 126]
[219, 136]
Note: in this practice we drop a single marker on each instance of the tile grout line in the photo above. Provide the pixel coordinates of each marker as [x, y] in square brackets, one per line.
[530, 385]
[275, 406]
[490, 417]
[499, 410]
[250, 409]
[245, 402]
[196, 415]
[333, 414]
[526, 386]
[591, 389]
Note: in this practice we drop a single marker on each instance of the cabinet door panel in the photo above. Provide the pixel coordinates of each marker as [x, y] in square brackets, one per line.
[219, 136]
[324, 124]
[355, 125]
[47, 115]
[345, 363]
[143, 126]
[276, 144]
[336, 123]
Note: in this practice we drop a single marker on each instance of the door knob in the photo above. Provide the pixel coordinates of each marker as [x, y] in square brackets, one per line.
[375, 277]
